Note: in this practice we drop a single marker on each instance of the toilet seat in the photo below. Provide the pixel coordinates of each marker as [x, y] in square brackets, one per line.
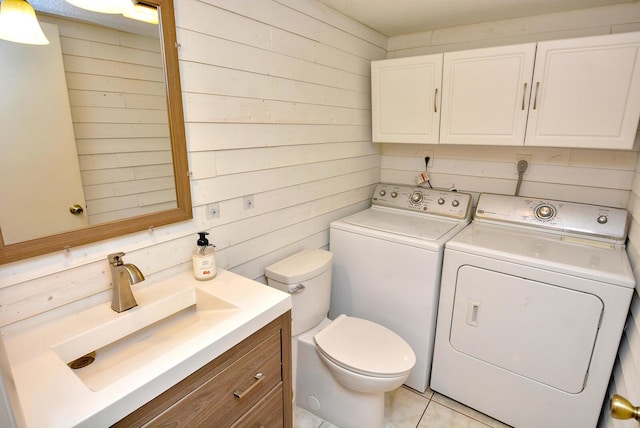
[365, 347]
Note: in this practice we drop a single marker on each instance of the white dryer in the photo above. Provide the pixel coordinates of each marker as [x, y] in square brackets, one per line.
[387, 262]
[534, 297]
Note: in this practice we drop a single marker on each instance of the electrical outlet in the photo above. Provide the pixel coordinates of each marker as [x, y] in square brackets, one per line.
[213, 210]
[248, 202]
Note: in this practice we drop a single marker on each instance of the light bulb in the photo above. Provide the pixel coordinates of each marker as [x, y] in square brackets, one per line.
[18, 23]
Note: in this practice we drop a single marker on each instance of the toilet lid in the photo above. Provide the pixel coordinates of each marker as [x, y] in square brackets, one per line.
[365, 347]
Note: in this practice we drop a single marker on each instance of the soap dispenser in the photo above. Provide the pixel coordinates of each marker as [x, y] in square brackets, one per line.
[204, 259]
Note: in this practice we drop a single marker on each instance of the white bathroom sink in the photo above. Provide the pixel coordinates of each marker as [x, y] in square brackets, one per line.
[179, 325]
[133, 338]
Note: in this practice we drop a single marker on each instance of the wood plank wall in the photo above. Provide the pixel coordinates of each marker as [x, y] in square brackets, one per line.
[591, 176]
[117, 97]
[626, 373]
[277, 104]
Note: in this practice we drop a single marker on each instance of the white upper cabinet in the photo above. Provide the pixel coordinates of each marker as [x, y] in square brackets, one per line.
[581, 92]
[405, 100]
[586, 93]
[485, 95]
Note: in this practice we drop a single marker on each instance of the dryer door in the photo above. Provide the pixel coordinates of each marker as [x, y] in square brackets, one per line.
[541, 331]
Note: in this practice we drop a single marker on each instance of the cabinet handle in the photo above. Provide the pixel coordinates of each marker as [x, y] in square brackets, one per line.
[535, 99]
[259, 377]
[435, 101]
[524, 94]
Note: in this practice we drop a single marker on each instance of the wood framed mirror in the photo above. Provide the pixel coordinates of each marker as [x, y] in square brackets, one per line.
[14, 249]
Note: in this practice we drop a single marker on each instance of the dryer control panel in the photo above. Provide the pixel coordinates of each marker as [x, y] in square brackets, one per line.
[590, 221]
[418, 199]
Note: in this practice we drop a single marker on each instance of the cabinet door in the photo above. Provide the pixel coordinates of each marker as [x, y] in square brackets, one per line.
[485, 95]
[586, 93]
[405, 99]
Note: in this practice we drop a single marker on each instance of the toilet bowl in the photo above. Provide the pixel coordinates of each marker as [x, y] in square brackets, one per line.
[341, 368]
[364, 356]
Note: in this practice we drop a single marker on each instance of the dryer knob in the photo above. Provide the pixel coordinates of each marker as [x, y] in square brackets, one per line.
[602, 219]
[545, 212]
[382, 193]
[416, 197]
[441, 201]
[394, 194]
[455, 203]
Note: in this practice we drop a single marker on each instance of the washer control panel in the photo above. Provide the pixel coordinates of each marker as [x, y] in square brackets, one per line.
[422, 200]
[562, 217]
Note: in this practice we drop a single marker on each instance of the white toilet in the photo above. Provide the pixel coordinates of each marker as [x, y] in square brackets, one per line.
[341, 368]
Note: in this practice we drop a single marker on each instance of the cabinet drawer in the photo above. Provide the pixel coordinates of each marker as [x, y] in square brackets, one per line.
[231, 393]
[267, 413]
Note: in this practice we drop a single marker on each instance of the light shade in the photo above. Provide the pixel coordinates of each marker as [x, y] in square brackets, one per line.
[142, 12]
[18, 23]
[128, 8]
[102, 6]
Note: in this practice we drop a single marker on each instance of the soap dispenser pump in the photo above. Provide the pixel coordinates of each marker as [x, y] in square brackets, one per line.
[204, 259]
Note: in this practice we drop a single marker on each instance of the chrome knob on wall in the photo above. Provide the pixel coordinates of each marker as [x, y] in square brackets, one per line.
[621, 408]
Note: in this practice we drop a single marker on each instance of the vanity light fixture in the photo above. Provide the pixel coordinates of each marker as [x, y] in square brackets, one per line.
[142, 12]
[128, 8]
[18, 23]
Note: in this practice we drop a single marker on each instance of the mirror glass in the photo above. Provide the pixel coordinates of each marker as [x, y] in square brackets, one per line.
[93, 132]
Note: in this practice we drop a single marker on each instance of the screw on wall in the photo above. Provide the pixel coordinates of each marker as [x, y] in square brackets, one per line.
[248, 202]
[213, 210]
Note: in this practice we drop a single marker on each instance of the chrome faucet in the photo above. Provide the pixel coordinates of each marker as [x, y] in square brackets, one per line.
[122, 277]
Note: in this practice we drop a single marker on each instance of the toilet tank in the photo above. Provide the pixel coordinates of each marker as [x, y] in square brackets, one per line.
[307, 277]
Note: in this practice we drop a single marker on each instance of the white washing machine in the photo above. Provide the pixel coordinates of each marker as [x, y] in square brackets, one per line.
[533, 300]
[387, 262]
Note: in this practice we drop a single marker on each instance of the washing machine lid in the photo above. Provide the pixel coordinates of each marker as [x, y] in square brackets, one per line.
[404, 223]
[365, 347]
[594, 260]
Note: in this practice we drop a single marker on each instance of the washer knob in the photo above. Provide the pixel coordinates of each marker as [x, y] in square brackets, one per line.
[602, 219]
[394, 194]
[416, 197]
[441, 201]
[455, 203]
[544, 212]
[383, 192]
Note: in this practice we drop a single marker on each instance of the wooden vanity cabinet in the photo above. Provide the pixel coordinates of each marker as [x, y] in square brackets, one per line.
[247, 386]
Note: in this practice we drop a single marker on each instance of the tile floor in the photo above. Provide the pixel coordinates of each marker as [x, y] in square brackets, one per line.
[406, 408]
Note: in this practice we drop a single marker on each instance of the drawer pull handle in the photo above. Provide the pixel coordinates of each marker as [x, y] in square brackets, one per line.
[524, 94]
[535, 100]
[259, 377]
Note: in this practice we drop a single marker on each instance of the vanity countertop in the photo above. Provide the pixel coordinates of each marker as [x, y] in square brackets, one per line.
[50, 394]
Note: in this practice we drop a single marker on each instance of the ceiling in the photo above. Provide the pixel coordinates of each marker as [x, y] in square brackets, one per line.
[397, 17]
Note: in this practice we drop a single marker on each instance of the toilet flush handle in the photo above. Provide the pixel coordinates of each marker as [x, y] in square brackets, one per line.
[297, 289]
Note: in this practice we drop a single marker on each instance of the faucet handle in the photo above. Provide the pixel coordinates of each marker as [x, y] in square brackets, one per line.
[115, 258]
